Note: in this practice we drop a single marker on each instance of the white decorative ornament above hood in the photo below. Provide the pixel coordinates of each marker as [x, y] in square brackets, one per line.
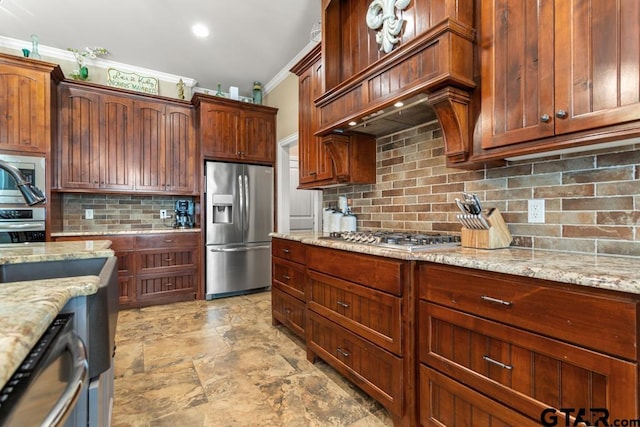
[383, 13]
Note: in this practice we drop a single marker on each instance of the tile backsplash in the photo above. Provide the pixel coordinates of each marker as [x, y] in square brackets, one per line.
[592, 198]
[117, 212]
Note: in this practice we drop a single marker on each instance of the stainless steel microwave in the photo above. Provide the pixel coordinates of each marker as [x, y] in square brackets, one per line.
[33, 168]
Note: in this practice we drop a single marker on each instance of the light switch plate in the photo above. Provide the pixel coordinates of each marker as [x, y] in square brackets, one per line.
[88, 214]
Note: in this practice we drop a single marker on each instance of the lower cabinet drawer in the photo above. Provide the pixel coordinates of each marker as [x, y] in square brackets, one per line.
[372, 314]
[290, 275]
[166, 285]
[529, 371]
[287, 310]
[378, 372]
[551, 309]
[445, 402]
[149, 261]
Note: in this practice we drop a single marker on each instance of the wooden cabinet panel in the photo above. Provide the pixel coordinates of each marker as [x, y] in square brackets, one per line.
[79, 161]
[116, 143]
[374, 315]
[445, 402]
[259, 133]
[370, 367]
[166, 160]
[558, 69]
[96, 134]
[289, 311]
[235, 131]
[381, 273]
[27, 93]
[527, 372]
[219, 131]
[517, 71]
[290, 276]
[289, 250]
[165, 260]
[550, 310]
[168, 287]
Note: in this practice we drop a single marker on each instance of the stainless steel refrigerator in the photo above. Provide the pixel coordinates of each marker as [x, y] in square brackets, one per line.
[239, 218]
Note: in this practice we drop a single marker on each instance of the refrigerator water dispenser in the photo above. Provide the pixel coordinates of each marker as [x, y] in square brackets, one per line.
[222, 208]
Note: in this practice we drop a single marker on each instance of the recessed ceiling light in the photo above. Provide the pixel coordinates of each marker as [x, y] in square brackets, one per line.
[398, 104]
[200, 30]
[352, 123]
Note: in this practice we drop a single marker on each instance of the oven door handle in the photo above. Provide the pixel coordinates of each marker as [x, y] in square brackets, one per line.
[22, 226]
[62, 409]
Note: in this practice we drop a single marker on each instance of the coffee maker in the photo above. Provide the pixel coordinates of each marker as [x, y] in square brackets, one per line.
[183, 214]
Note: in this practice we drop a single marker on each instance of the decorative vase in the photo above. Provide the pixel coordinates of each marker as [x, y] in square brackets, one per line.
[84, 73]
[219, 91]
[257, 93]
[25, 53]
[34, 47]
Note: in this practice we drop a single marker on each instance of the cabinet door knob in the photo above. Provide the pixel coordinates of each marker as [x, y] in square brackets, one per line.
[561, 114]
[545, 118]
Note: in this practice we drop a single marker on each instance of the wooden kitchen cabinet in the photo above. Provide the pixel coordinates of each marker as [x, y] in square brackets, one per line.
[335, 158]
[523, 345]
[554, 73]
[313, 157]
[156, 268]
[166, 161]
[288, 285]
[96, 140]
[359, 315]
[236, 131]
[27, 104]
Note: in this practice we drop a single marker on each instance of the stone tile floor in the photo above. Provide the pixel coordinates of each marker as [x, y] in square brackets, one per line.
[222, 363]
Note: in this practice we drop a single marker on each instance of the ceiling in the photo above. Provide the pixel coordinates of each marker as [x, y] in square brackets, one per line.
[250, 40]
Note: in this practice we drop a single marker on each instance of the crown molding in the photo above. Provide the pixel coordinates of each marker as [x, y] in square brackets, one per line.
[284, 73]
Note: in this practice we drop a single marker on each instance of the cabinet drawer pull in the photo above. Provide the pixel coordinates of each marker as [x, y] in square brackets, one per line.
[342, 304]
[342, 352]
[287, 311]
[495, 362]
[168, 259]
[285, 277]
[170, 285]
[496, 300]
[168, 241]
[286, 251]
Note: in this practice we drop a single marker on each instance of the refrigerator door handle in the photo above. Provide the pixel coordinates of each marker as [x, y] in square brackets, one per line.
[246, 202]
[245, 249]
[242, 196]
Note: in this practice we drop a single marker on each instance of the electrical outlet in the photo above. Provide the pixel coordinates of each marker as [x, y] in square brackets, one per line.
[163, 214]
[536, 210]
[88, 214]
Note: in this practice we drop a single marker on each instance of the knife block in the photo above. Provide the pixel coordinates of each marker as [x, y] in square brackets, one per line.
[496, 237]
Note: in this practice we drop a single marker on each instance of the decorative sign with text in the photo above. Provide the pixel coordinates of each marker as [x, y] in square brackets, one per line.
[132, 81]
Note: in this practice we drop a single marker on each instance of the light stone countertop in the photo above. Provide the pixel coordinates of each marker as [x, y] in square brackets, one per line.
[615, 273]
[27, 308]
[124, 232]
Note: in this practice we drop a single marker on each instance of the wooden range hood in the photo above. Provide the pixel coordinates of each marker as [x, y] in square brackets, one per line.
[432, 61]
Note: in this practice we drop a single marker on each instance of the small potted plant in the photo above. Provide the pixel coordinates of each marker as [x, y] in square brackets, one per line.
[82, 73]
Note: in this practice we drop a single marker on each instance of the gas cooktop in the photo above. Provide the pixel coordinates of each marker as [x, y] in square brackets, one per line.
[409, 242]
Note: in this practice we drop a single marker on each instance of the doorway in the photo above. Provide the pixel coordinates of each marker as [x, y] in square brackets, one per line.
[298, 210]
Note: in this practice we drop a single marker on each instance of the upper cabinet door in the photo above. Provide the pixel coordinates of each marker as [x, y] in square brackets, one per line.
[79, 161]
[116, 143]
[517, 74]
[149, 127]
[219, 127]
[24, 109]
[259, 137]
[180, 149]
[597, 63]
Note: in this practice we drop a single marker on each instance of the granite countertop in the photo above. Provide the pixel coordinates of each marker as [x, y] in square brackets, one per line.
[27, 308]
[598, 271]
[123, 232]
